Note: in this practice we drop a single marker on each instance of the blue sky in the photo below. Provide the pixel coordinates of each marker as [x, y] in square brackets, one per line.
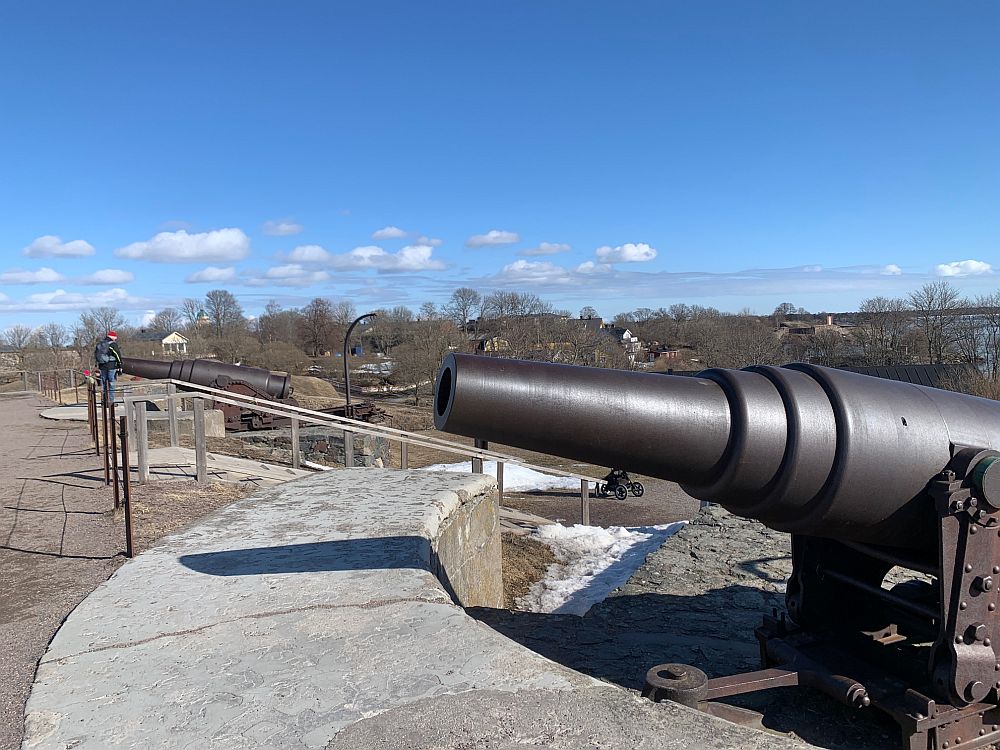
[614, 154]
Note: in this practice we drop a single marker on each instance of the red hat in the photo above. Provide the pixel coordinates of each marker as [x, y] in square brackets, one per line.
[112, 335]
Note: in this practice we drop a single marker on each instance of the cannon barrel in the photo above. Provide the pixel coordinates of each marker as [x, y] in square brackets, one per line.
[802, 448]
[210, 373]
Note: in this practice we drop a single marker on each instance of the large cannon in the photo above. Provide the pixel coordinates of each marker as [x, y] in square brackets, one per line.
[866, 474]
[246, 381]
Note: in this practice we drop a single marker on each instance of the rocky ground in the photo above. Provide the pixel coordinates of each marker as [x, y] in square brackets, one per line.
[697, 601]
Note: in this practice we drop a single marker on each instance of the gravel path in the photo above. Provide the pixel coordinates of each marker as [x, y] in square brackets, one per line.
[58, 541]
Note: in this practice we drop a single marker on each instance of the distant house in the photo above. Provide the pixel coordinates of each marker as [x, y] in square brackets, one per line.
[172, 344]
[661, 351]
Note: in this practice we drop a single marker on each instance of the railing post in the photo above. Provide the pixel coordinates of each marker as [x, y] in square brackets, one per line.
[24, 380]
[585, 502]
[104, 422]
[114, 453]
[200, 451]
[348, 449]
[141, 441]
[39, 381]
[126, 486]
[172, 414]
[500, 481]
[76, 386]
[404, 455]
[296, 454]
[477, 463]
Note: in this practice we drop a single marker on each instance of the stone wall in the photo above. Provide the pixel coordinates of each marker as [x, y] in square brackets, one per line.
[465, 553]
[321, 445]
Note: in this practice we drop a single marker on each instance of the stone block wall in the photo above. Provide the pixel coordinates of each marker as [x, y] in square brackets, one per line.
[465, 553]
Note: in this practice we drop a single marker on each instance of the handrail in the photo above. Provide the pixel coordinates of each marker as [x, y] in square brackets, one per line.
[354, 425]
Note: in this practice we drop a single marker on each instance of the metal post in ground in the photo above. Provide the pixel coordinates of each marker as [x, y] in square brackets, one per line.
[76, 386]
[296, 456]
[585, 502]
[500, 481]
[114, 454]
[104, 423]
[348, 449]
[24, 380]
[141, 441]
[126, 486]
[200, 451]
[477, 463]
[404, 458]
[39, 382]
[172, 414]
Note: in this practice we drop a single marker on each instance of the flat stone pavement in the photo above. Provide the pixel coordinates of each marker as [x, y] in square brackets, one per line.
[58, 540]
[308, 615]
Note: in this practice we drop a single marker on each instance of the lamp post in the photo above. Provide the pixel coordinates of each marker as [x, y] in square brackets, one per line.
[347, 371]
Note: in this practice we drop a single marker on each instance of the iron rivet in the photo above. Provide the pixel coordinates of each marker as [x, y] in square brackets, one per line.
[968, 567]
[963, 605]
[945, 745]
[986, 642]
[991, 606]
[958, 639]
[973, 529]
[982, 732]
[996, 568]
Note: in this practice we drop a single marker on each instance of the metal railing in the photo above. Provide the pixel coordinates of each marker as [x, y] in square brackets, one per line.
[49, 383]
[172, 390]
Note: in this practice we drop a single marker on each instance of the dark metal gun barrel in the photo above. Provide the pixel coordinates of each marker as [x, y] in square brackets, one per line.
[207, 372]
[804, 449]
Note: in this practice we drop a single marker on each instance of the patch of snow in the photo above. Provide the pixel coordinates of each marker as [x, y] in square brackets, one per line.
[515, 478]
[592, 562]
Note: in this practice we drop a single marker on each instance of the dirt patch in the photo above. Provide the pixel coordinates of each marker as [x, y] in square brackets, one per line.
[161, 508]
[525, 561]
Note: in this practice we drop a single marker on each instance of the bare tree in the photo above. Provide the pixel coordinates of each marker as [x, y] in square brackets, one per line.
[225, 313]
[880, 331]
[167, 320]
[317, 325]
[190, 308]
[18, 337]
[54, 336]
[935, 307]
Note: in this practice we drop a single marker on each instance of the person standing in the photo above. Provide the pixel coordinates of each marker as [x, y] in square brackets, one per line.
[109, 361]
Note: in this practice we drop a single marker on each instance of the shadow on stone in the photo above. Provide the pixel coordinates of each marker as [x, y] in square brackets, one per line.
[620, 639]
[346, 554]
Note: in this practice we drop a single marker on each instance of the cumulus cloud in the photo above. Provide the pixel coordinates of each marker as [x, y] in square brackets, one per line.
[960, 268]
[49, 245]
[281, 227]
[389, 233]
[492, 238]
[411, 258]
[891, 270]
[108, 276]
[546, 248]
[432, 241]
[589, 267]
[628, 253]
[180, 247]
[534, 272]
[309, 254]
[291, 274]
[211, 275]
[20, 276]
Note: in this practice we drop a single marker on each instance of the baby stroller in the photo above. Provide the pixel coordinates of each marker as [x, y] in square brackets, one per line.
[619, 484]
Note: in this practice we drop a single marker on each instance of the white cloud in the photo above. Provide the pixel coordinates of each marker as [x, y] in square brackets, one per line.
[309, 254]
[51, 246]
[290, 274]
[60, 299]
[812, 269]
[410, 258]
[20, 276]
[891, 270]
[492, 238]
[628, 253]
[4, 297]
[211, 275]
[432, 241]
[108, 276]
[281, 227]
[147, 318]
[389, 233]
[589, 267]
[960, 268]
[546, 248]
[534, 272]
[180, 247]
